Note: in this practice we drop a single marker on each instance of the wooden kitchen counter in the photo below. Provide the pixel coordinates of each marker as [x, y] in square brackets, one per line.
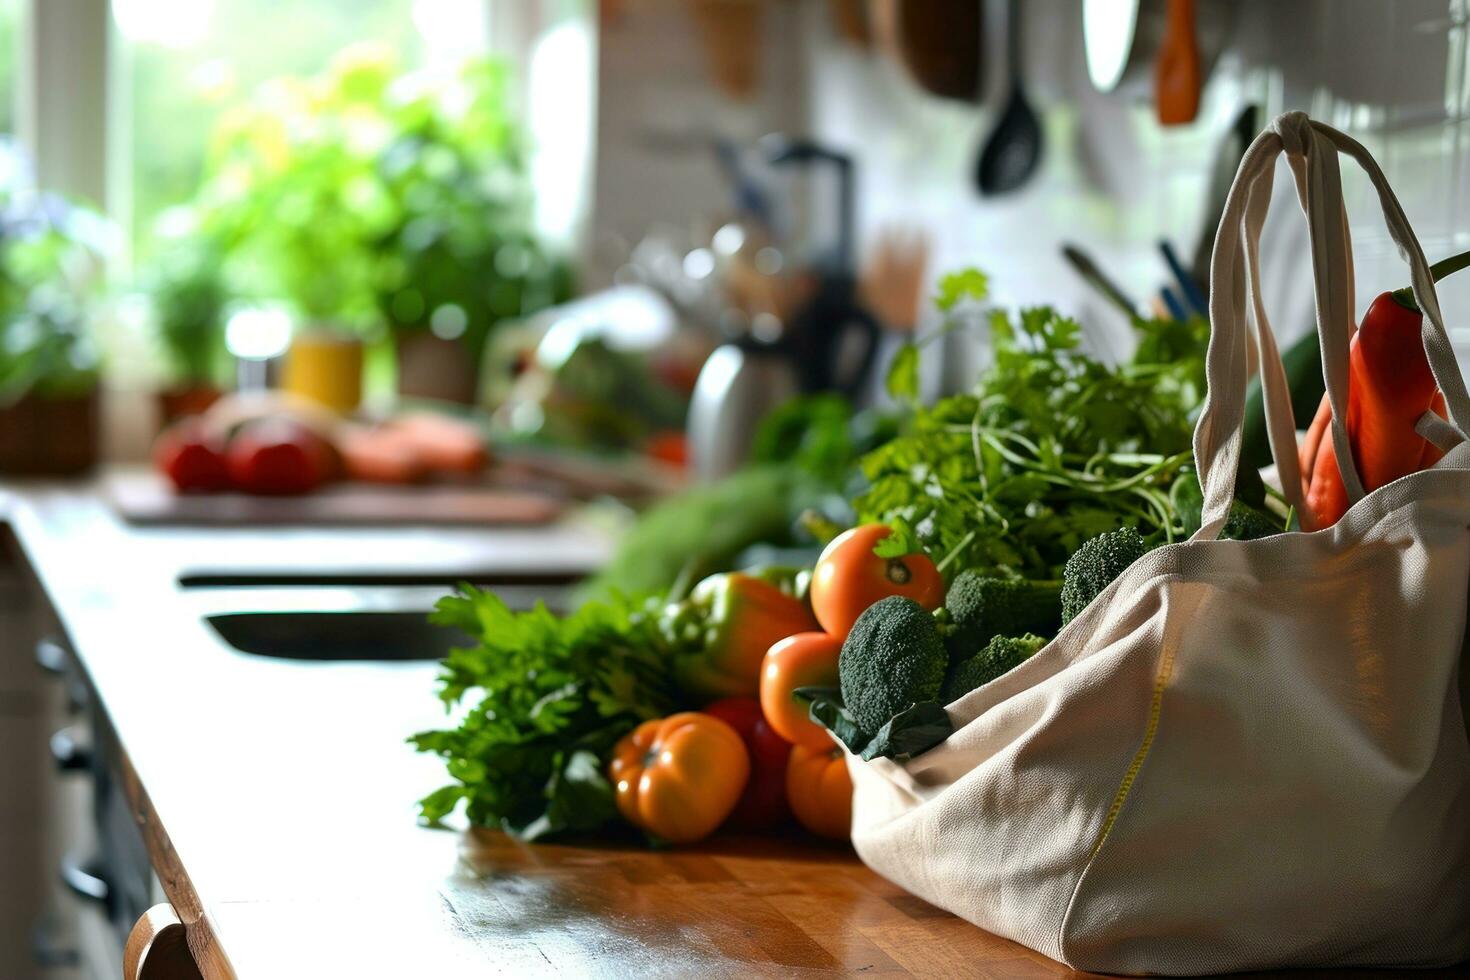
[277, 798]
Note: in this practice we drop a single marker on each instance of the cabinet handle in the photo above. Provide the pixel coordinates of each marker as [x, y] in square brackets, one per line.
[84, 880]
[71, 753]
[51, 656]
[158, 948]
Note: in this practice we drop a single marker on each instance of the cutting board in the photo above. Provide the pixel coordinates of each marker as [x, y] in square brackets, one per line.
[144, 497]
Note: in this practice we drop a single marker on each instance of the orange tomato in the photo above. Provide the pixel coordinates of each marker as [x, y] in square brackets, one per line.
[679, 777]
[820, 790]
[849, 578]
[802, 660]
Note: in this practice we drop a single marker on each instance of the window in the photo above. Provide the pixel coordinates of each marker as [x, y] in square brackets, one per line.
[179, 65]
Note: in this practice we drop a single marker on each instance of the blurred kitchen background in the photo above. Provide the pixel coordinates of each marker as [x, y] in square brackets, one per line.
[235, 162]
[609, 237]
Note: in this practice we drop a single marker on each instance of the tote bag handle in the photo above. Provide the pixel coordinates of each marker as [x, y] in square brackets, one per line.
[1312, 150]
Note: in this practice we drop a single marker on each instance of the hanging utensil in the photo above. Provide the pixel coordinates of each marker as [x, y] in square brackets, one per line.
[1014, 147]
[1177, 76]
[1227, 161]
[1187, 286]
[938, 43]
[1088, 269]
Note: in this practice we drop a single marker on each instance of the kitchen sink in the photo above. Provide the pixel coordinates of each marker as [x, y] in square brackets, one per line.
[363, 635]
[366, 620]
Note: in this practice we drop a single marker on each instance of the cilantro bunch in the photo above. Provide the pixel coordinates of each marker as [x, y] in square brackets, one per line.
[1053, 446]
[548, 698]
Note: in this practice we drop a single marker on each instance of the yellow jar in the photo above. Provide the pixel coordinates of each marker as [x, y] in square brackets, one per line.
[326, 368]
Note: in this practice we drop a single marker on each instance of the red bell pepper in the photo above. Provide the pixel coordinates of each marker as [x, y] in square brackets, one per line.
[1390, 387]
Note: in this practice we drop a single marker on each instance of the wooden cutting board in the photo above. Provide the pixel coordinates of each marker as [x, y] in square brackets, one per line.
[143, 497]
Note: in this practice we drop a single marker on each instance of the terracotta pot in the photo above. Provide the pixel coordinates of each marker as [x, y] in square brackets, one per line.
[183, 401]
[46, 436]
[432, 367]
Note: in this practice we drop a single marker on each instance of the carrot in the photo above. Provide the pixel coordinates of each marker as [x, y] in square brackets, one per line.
[377, 457]
[1312, 444]
[444, 444]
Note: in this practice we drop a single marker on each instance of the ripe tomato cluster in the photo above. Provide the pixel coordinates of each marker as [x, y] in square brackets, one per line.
[750, 762]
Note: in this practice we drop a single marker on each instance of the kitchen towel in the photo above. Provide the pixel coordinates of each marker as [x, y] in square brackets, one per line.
[1244, 754]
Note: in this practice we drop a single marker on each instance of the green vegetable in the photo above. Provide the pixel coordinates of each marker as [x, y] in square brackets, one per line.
[1303, 364]
[1247, 523]
[982, 606]
[549, 697]
[1001, 654]
[892, 659]
[700, 531]
[1052, 448]
[914, 730]
[1094, 566]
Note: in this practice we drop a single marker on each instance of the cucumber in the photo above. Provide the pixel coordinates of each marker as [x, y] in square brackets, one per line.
[1303, 363]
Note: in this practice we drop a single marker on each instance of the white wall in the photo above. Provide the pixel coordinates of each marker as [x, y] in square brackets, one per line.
[1392, 72]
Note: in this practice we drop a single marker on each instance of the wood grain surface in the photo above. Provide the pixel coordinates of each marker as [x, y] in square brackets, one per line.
[276, 798]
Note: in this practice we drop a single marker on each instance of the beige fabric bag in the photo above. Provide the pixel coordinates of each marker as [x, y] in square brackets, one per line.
[1244, 754]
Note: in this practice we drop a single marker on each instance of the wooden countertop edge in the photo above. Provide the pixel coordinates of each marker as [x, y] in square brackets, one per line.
[204, 941]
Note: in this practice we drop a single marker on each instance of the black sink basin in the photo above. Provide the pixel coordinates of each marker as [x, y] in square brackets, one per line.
[365, 635]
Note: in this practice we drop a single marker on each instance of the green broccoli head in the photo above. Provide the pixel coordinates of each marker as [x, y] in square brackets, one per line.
[1247, 523]
[981, 607]
[1000, 655]
[893, 658]
[1095, 564]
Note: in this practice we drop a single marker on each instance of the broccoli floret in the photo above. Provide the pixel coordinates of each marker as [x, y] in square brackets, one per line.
[981, 607]
[892, 658]
[1095, 564]
[1247, 523]
[1000, 655]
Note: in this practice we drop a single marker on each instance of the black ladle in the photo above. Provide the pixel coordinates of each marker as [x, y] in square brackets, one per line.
[1014, 147]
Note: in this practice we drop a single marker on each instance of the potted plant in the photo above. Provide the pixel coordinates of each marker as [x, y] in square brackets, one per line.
[187, 287]
[368, 198]
[460, 255]
[49, 263]
[292, 197]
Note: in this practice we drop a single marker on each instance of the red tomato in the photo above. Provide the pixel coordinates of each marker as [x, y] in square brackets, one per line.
[820, 791]
[802, 660]
[191, 458]
[278, 456]
[668, 447]
[849, 578]
[763, 804]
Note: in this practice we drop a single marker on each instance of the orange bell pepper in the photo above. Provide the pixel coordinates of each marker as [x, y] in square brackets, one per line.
[725, 628]
[679, 777]
[820, 791]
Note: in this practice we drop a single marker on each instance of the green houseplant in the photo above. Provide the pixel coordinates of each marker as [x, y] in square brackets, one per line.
[461, 255]
[368, 198]
[50, 253]
[186, 285]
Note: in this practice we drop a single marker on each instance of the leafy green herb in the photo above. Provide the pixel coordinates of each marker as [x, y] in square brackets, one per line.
[913, 731]
[824, 706]
[548, 697]
[1052, 448]
[903, 373]
[956, 287]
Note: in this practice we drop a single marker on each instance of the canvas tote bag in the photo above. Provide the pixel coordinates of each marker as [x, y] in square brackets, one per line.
[1243, 754]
